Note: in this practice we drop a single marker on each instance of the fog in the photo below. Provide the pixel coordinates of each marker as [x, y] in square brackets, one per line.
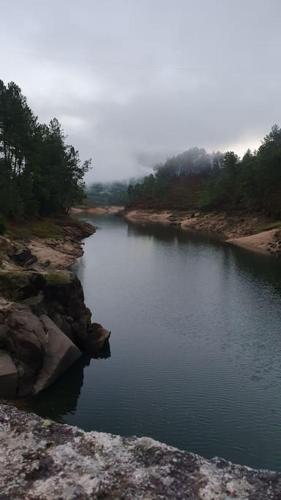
[134, 81]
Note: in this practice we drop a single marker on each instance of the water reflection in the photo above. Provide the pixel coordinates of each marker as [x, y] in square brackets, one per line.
[196, 343]
[263, 268]
[60, 398]
[170, 234]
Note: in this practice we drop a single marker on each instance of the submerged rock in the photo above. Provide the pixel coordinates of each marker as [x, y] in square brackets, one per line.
[40, 459]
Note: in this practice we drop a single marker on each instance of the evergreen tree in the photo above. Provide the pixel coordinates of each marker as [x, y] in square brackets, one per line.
[39, 172]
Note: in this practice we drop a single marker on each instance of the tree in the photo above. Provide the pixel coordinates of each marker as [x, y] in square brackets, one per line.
[39, 173]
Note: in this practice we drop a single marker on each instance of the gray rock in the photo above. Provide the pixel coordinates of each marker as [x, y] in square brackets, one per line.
[40, 459]
[8, 376]
[25, 341]
[60, 354]
[23, 257]
[97, 338]
[58, 295]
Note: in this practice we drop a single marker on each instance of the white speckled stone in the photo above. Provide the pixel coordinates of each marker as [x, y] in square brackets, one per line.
[40, 459]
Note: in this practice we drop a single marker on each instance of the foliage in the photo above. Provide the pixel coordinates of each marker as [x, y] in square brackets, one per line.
[114, 193]
[196, 179]
[39, 173]
[177, 183]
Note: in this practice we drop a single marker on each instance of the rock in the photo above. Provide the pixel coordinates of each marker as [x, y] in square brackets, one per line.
[40, 459]
[20, 284]
[59, 295]
[26, 342]
[23, 257]
[44, 322]
[23, 333]
[8, 376]
[36, 346]
[97, 338]
[60, 353]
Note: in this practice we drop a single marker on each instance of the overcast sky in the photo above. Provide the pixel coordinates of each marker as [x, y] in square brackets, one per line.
[134, 81]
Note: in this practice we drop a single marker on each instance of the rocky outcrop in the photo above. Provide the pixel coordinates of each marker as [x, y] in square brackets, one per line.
[59, 354]
[34, 351]
[44, 322]
[40, 459]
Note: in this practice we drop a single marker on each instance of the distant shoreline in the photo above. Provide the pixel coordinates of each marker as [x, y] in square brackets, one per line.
[254, 232]
[250, 231]
[110, 209]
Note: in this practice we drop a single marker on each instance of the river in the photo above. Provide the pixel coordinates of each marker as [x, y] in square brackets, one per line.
[195, 350]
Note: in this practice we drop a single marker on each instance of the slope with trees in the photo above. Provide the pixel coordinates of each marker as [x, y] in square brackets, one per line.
[39, 173]
[198, 180]
[110, 193]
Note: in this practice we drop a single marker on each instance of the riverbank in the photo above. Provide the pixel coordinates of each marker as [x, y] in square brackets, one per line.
[44, 323]
[251, 231]
[42, 459]
[102, 210]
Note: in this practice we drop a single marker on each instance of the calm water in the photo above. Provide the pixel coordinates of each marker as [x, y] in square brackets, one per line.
[195, 346]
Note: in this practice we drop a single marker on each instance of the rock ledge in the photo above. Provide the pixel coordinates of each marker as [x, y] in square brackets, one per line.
[44, 322]
[40, 459]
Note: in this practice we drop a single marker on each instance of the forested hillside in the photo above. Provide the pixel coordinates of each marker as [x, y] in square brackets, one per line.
[39, 173]
[110, 193]
[198, 180]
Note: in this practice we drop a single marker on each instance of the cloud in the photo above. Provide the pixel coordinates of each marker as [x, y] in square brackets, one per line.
[134, 81]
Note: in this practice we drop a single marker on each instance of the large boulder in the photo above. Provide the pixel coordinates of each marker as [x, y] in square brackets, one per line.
[33, 350]
[44, 324]
[24, 338]
[59, 295]
[60, 354]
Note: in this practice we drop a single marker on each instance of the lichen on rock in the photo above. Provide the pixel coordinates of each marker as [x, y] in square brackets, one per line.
[40, 459]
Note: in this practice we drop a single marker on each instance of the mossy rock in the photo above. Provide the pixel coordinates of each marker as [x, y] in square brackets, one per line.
[20, 285]
[58, 278]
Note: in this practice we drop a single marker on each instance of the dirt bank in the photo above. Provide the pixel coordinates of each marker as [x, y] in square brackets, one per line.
[251, 231]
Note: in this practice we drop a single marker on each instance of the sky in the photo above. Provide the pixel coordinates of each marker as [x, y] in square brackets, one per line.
[136, 81]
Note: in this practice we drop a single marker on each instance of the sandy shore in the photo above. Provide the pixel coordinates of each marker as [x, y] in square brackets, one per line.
[244, 230]
[112, 209]
[266, 242]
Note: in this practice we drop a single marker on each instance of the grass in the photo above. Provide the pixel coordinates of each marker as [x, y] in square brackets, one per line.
[58, 278]
[40, 228]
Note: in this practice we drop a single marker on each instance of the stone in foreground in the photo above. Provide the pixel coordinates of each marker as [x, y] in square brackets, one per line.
[40, 459]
